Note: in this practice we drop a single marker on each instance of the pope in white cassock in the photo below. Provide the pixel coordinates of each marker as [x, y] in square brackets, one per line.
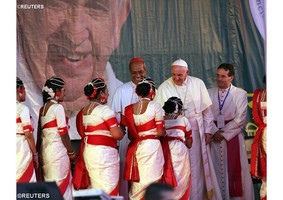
[194, 95]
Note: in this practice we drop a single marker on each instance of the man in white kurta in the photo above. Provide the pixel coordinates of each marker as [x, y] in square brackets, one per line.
[194, 95]
[229, 108]
[124, 96]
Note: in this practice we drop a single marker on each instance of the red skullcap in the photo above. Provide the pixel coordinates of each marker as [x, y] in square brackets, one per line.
[138, 59]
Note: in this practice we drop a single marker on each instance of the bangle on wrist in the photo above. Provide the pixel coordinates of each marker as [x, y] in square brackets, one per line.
[35, 154]
[71, 153]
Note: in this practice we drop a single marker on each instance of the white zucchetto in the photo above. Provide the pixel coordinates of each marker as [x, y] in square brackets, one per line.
[180, 62]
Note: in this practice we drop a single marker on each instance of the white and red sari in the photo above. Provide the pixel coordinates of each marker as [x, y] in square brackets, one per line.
[144, 159]
[98, 150]
[56, 162]
[258, 150]
[24, 159]
[176, 155]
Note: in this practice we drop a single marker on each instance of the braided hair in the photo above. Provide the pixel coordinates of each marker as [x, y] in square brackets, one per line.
[51, 86]
[145, 86]
[20, 83]
[93, 88]
[173, 105]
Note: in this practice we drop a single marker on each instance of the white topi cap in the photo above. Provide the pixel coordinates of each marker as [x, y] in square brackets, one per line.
[180, 62]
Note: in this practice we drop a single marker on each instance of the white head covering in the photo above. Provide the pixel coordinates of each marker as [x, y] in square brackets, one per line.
[180, 62]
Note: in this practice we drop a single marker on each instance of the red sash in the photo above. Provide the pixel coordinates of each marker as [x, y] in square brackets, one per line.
[63, 186]
[26, 176]
[168, 170]
[186, 195]
[81, 178]
[115, 191]
[258, 154]
[147, 126]
[131, 171]
[53, 123]
[102, 140]
[234, 166]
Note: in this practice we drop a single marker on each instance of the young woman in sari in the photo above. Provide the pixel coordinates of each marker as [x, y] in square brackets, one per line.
[175, 146]
[27, 156]
[53, 143]
[144, 159]
[99, 129]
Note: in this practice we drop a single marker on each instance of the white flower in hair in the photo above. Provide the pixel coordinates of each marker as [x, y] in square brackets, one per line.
[49, 91]
[176, 107]
[143, 81]
[147, 80]
[177, 104]
[90, 83]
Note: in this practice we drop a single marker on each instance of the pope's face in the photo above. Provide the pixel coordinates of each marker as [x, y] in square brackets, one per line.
[179, 74]
[71, 39]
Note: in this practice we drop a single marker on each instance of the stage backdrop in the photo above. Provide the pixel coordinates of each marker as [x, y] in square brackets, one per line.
[205, 33]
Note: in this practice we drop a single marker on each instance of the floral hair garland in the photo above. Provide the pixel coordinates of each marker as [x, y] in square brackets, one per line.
[49, 91]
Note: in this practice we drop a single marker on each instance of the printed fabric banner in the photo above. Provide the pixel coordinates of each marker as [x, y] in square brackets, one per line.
[258, 10]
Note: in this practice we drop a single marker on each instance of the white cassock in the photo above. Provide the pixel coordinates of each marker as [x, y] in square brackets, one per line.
[235, 109]
[34, 96]
[124, 96]
[195, 98]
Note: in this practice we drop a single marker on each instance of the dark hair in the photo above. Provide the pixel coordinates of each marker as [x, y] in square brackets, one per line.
[144, 87]
[154, 191]
[227, 67]
[264, 79]
[19, 83]
[51, 86]
[170, 105]
[93, 88]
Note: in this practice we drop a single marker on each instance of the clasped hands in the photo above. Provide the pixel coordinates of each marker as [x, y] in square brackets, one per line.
[217, 137]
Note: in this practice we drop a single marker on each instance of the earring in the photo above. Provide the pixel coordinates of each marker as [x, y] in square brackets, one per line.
[102, 99]
[20, 92]
[57, 95]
